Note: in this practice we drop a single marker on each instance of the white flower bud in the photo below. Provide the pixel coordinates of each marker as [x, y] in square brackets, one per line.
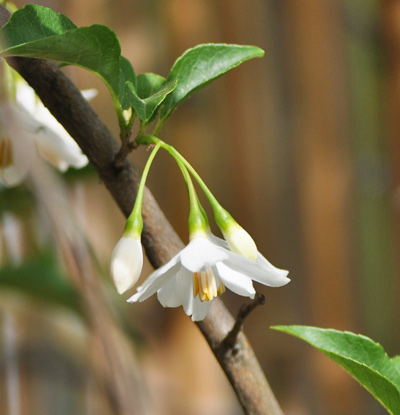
[240, 241]
[126, 263]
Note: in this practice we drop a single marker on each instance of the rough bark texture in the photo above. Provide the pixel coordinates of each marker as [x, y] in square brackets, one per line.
[161, 242]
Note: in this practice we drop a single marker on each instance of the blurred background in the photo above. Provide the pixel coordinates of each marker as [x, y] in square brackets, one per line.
[301, 147]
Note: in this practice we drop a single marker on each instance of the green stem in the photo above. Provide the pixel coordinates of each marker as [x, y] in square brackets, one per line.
[135, 222]
[158, 127]
[222, 217]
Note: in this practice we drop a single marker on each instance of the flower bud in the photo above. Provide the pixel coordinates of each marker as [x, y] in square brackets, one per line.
[126, 263]
[240, 241]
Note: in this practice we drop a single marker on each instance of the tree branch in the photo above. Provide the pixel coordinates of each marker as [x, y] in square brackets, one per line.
[161, 242]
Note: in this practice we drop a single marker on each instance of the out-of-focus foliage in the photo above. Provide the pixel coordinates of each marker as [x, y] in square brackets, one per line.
[41, 279]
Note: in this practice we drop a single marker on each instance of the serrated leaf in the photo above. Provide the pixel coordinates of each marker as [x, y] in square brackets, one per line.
[150, 93]
[364, 359]
[202, 64]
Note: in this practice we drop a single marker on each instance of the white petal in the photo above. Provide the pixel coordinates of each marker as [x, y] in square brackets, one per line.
[237, 282]
[89, 94]
[26, 97]
[126, 263]
[155, 281]
[201, 253]
[200, 309]
[15, 173]
[218, 241]
[261, 270]
[16, 146]
[54, 142]
[269, 275]
[58, 148]
[177, 291]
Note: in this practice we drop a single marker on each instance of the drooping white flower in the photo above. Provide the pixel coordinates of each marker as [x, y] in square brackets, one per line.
[126, 262]
[28, 128]
[201, 271]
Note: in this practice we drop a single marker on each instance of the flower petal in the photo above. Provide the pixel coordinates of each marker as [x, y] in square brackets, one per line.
[199, 309]
[201, 253]
[260, 270]
[54, 143]
[177, 291]
[218, 241]
[236, 281]
[156, 280]
[89, 94]
[58, 148]
[17, 149]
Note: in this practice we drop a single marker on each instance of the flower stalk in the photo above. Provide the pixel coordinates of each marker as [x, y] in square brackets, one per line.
[127, 256]
[134, 224]
[238, 239]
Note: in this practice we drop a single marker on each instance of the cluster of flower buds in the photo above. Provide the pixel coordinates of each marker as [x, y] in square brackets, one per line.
[206, 266]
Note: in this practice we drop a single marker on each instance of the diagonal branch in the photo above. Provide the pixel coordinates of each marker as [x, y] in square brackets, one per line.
[161, 242]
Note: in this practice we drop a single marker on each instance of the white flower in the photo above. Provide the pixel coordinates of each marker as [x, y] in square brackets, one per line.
[201, 271]
[28, 128]
[126, 263]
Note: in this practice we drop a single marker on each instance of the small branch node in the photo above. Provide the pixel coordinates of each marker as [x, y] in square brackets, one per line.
[126, 147]
[230, 340]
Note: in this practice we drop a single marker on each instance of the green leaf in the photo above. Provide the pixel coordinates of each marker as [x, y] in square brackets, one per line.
[38, 22]
[396, 362]
[127, 73]
[199, 66]
[364, 359]
[148, 84]
[151, 91]
[38, 32]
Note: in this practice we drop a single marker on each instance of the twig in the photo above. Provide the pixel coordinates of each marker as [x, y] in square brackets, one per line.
[245, 310]
[161, 242]
[126, 147]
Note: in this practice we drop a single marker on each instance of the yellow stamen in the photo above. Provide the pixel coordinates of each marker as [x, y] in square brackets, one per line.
[221, 288]
[195, 284]
[205, 285]
[6, 153]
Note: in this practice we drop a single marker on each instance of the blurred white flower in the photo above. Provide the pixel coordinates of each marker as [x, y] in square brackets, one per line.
[28, 128]
[126, 263]
[201, 271]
